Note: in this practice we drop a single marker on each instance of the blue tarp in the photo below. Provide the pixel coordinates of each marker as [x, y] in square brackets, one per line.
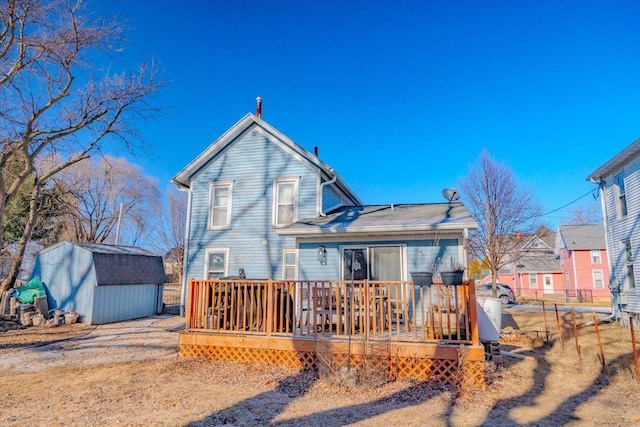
[29, 291]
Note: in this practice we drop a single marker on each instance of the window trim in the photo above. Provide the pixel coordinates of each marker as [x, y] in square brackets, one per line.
[621, 196]
[212, 186]
[534, 284]
[276, 185]
[285, 265]
[207, 252]
[593, 276]
[629, 279]
[599, 255]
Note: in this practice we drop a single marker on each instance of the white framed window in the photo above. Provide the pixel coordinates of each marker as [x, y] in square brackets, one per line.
[630, 278]
[290, 264]
[285, 201]
[598, 279]
[595, 256]
[220, 204]
[548, 281]
[216, 263]
[621, 196]
[533, 281]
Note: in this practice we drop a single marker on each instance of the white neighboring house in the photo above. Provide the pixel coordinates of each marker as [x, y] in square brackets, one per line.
[619, 183]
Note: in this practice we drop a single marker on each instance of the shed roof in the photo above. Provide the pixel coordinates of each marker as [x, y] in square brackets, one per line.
[121, 265]
[583, 236]
[391, 219]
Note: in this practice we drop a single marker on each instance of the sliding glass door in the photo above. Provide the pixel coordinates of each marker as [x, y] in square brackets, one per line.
[373, 263]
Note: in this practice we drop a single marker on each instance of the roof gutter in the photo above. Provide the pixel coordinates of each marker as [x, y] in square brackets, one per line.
[324, 184]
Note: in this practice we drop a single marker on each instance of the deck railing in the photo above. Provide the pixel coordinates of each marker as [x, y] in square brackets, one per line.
[397, 311]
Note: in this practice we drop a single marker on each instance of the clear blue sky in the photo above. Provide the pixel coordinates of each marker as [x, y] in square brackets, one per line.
[400, 97]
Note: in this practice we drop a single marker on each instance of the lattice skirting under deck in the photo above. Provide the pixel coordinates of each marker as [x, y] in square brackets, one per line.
[466, 374]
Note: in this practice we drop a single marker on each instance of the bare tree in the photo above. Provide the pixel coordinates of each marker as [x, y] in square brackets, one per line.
[586, 213]
[109, 201]
[171, 233]
[503, 209]
[60, 96]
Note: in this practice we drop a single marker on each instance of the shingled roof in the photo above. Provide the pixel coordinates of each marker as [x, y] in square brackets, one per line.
[404, 218]
[577, 237]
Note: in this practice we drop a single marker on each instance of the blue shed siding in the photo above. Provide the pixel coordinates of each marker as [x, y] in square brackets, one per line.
[67, 273]
[115, 303]
[252, 163]
[310, 269]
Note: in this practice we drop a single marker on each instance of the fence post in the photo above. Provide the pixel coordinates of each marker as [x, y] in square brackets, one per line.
[595, 325]
[544, 318]
[633, 345]
[558, 326]
[575, 331]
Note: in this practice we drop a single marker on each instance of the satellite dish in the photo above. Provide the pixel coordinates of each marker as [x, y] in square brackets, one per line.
[451, 194]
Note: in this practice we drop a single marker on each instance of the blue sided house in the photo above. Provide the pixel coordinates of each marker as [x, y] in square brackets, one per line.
[261, 206]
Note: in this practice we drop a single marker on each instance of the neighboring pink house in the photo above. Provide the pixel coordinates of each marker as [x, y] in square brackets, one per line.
[583, 258]
[537, 272]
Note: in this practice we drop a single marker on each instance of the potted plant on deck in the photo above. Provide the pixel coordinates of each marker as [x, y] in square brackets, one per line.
[453, 273]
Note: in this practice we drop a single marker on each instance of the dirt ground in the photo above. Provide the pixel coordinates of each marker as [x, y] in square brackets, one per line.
[130, 374]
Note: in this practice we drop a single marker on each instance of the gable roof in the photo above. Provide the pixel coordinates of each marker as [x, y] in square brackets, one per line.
[577, 237]
[235, 132]
[539, 262]
[392, 219]
[631, 152]
[120, 265]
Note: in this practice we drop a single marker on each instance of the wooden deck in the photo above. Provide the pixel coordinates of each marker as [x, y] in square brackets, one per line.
[394, 327]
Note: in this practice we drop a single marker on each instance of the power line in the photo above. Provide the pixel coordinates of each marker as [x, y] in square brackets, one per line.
[570, 203]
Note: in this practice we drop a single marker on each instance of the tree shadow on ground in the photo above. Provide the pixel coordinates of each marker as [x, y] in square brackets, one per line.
[266, 408]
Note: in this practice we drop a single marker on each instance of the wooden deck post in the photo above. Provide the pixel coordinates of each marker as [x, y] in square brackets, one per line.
[270, 306]
[473, 313]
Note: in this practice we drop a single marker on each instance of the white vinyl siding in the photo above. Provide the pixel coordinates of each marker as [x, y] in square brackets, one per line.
[285, 200]
[220, 205]
[216, 263]
[290, 264]
[598, 279]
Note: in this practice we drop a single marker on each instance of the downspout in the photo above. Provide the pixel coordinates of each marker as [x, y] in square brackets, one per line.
[324, 184]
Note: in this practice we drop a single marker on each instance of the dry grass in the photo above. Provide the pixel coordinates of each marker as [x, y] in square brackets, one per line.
[553, 386]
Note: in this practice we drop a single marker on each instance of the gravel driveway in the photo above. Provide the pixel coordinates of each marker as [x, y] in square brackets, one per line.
[148, 338]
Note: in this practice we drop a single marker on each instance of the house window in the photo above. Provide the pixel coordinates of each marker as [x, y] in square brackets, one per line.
[216, 263]
[598, 279]
[595, 256]
[622, 196]
[630, 279]
[220, 205]
[533, 281]
[548, 281]
[290, 264]
[285, 208]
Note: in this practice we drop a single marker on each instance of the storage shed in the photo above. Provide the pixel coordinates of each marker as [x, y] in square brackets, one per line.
[103, 283]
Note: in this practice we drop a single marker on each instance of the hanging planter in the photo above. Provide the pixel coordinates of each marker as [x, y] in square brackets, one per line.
[452, 277]
[422, 278]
